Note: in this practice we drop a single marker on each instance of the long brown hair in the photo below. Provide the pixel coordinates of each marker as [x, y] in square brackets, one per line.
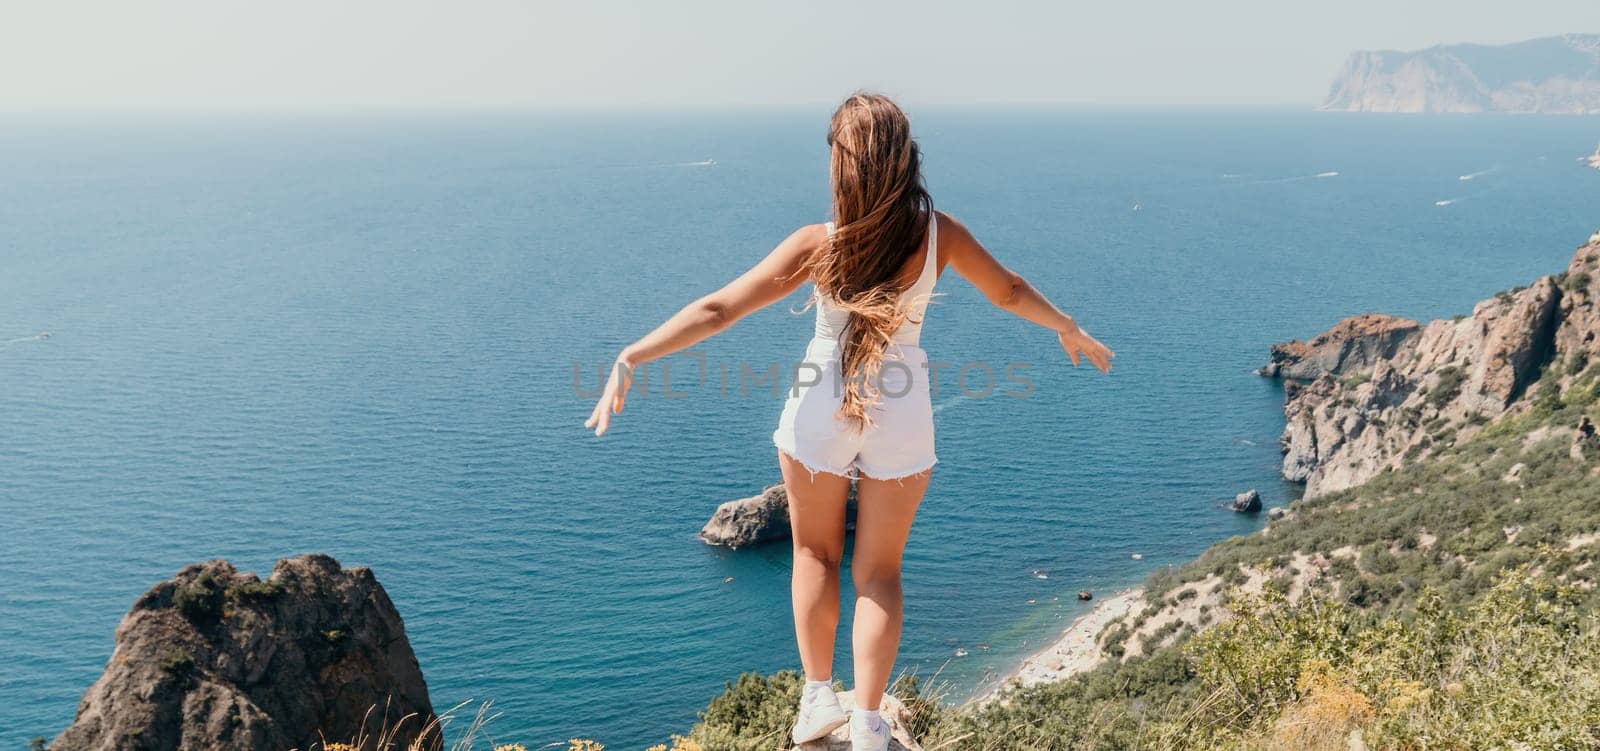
[881, 210]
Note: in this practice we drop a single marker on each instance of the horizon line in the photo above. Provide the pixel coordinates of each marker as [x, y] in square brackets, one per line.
[658, 108]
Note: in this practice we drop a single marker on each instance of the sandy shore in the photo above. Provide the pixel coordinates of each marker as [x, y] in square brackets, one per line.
[1075, 651]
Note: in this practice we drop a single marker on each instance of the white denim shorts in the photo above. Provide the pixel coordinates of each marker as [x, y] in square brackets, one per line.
[898, 444]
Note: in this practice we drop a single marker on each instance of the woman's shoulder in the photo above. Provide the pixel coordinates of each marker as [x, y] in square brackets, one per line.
[948, 222]
[813, 233]
[809, 238]
[797, 249]
[952, 233]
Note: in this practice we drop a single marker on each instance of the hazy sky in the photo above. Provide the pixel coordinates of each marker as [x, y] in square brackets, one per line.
[357, 54]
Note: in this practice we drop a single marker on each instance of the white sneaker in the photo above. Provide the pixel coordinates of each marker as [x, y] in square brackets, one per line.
[864, 738]
[820, 714]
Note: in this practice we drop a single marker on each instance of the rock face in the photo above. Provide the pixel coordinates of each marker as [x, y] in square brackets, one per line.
[1594, 159]
[218, 659]
[1388, 397]
[758, 519]
[750, 521]
[1552, 75]
[1352, 345]
[1248, 502]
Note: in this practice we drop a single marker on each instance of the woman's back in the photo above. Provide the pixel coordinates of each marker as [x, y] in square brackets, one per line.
[831, 319]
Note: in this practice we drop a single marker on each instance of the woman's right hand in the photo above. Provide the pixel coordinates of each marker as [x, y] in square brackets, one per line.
[612, 399]
[1078, 343]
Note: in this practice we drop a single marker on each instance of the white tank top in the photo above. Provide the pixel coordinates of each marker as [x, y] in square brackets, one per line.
[831, 319]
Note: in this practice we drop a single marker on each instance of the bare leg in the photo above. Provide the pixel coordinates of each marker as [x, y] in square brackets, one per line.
[816, 517]
[884, 512]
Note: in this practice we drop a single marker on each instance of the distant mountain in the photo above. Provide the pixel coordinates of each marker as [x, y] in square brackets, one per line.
[1551, 75]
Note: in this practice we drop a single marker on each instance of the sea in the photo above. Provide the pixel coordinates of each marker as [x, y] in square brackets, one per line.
[376, 336]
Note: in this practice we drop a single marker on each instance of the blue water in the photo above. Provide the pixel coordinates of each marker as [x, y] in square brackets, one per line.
[358, 336]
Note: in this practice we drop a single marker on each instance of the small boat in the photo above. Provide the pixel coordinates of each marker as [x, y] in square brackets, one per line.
[961, 652]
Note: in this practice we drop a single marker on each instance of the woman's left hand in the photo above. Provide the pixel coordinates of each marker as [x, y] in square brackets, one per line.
[1077, 342]
[612, 399]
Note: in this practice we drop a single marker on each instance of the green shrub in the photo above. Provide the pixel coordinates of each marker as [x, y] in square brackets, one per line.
[1352, 381]
[177, 661]
[1447, 387]
[200, 599]
[254, 591]
[754, 712]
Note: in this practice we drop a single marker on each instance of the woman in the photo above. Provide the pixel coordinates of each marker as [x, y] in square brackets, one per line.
[867, 415]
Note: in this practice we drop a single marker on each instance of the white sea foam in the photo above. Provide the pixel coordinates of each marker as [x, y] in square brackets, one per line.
[1327, 174]
[1446, 202]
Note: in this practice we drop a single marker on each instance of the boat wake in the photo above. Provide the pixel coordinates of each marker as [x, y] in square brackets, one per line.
[1446, 202]
[1478, 174]
[1295, 179]
[948, 403]
[39, 337]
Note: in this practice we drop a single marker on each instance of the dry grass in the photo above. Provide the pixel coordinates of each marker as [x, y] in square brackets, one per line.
[474, 737]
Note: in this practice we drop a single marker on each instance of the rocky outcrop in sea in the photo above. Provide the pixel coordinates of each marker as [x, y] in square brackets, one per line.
[759, 519]
[1375, 392]
[220, 660]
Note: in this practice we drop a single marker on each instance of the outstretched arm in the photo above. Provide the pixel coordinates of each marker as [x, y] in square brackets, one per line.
[1007, 290]
[769, 281]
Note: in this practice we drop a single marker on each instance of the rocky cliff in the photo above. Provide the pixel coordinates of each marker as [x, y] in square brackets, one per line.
[1550, 75]
[1376, 391]
[218, 659]
[1353, 344]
